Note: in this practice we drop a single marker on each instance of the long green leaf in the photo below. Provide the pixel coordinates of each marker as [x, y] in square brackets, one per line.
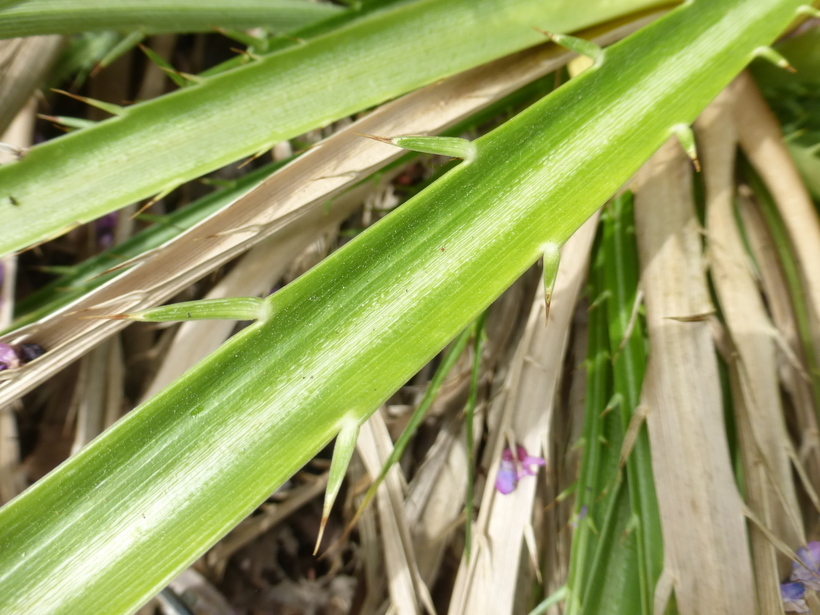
[112, 525]
[627, 349]
[35, 17]
[154, 146]
[596, 484]
[95, 271]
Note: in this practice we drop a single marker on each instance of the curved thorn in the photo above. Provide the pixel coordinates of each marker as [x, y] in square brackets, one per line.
[342, 453]
[808, 10]
[686, 137]
[579, 45]
[455, 147]
[385, 140]
[768, 53]
[233, 308]
[154, 199]
[104, 106]
[552, 259]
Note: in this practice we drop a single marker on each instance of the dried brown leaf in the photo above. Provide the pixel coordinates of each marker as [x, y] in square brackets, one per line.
[706, 554]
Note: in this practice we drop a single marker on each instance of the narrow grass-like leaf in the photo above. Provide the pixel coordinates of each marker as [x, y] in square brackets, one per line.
[160, 487]
[602, 501]
[556, 598]
[627, 349]
[157, 145]
[34, 17]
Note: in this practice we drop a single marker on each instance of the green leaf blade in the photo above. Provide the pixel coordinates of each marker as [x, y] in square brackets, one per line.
[158, 145]
[36, 17]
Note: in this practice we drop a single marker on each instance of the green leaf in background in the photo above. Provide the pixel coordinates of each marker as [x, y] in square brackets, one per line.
[155, 146]
[34, 17]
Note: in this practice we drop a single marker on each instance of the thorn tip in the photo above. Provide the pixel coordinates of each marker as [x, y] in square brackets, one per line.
[386, 140]
[321, 534]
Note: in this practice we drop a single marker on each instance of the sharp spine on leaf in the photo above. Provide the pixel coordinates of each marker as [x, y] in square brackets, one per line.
[454, 147]
[768, 53]
[578, 45]
[808, 10]
[77, 123]
[686, 137]
[342, 453]
[125, 45]
[107, 107]
[552, 259]
[178, 77]
[154, 199]
[233, 308]
[258, 44]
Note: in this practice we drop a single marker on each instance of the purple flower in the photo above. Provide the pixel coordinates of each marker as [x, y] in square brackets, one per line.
[809, 573]
[104, 227]
[794, 598]
[8, 357]
[505, 480]
[515, 467]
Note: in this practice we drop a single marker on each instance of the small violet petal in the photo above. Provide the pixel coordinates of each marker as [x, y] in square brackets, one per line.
[793, 596]
[809, 574]
[529, 463]
[8, 358]
[514, 467]
[505, 481]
